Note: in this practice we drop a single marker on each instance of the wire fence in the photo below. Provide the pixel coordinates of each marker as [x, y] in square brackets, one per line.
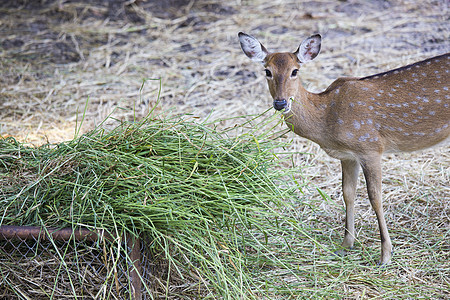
[37, 263]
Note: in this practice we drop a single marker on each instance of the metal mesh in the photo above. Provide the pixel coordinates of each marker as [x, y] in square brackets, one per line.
[41, 269]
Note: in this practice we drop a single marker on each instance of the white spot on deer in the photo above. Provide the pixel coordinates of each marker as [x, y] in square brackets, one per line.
[356, 124]
[364, 137]
[350, 135]
[425, 100]
[340, 121]
[432, 113]
[438, 100]
[351, 104]
[437, 91]
[365, 88]
[370, 107]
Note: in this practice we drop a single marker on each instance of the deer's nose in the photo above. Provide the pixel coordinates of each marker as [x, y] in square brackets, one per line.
[279, 104]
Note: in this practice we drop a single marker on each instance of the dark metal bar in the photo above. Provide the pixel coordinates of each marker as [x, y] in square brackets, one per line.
[134, 244]
[64, 234]
[8, 232]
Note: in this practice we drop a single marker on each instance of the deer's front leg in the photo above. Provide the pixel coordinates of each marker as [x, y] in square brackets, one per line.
[372, 172]
[350, 171]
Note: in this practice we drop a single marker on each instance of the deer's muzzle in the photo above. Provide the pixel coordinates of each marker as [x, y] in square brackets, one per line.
[280, 104]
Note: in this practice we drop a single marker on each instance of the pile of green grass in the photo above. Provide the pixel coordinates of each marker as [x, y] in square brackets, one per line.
[204, 199]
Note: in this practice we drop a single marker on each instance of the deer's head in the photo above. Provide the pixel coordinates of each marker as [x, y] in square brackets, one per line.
[281, 69]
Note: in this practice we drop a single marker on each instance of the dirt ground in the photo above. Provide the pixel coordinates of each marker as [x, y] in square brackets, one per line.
[62, 59]
[56, 56]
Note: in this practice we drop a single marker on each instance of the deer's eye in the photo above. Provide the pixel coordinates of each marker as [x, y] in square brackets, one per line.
[268, 73]
[294, 73]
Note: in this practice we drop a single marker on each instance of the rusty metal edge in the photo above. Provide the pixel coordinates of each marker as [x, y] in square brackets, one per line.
[62, 234]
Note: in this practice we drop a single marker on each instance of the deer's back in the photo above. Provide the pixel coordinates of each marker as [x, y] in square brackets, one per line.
[404, 109]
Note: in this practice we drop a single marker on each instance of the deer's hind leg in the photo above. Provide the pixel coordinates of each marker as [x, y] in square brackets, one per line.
[372, 172]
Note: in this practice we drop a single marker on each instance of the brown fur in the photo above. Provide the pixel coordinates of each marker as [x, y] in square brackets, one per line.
[356, 120]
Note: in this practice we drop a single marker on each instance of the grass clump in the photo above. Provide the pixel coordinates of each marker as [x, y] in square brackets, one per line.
[195, 193]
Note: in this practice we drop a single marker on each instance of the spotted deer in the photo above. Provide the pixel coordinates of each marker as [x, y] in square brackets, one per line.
[356, 120]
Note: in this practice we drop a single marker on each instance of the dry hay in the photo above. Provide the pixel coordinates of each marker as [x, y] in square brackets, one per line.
[56, 56]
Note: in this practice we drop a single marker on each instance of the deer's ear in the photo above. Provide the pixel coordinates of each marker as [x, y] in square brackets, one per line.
[252, 47]
[309, 48]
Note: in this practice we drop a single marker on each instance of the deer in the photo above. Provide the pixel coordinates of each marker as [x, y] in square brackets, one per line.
[356, 120]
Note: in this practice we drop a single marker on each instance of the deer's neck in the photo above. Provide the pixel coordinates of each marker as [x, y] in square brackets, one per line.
[307, 115]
